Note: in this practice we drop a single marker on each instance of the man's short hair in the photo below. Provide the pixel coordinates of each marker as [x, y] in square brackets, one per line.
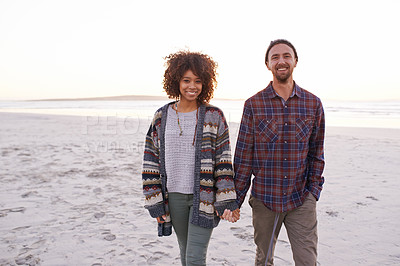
[278, 41]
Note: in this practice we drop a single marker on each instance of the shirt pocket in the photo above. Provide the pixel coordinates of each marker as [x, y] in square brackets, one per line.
[304, 127]
[267, 129]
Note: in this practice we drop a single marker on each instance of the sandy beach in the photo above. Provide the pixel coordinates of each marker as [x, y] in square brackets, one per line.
[71, 194]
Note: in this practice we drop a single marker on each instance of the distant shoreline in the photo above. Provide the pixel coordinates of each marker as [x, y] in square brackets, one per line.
[122, 98]
[111, 98]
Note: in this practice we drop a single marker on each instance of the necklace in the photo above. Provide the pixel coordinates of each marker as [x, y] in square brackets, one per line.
[179, 124]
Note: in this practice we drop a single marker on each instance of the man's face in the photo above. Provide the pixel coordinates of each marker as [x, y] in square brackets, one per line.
[281, 62]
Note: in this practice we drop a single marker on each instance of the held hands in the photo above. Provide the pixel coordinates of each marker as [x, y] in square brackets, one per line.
[231, 216]
[161, 219]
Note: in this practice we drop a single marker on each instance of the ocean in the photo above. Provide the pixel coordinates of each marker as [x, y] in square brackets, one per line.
[379, 114]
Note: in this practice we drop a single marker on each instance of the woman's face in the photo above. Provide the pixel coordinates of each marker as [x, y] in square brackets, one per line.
[190, 86]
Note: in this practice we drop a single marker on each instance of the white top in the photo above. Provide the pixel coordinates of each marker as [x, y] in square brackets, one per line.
[179, 151]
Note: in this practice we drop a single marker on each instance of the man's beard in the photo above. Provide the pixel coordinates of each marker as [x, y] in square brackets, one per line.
[283, 78]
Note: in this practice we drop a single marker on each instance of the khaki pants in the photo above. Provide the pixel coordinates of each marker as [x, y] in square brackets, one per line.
[301, 227]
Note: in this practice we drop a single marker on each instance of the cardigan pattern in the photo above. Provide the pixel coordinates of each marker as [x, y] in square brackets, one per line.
[214, 188]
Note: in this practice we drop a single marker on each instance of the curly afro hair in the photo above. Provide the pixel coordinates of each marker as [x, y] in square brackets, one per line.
[201, 65]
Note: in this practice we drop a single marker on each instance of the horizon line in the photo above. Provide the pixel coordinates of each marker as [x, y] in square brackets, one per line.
[132, 97]
[135, 97]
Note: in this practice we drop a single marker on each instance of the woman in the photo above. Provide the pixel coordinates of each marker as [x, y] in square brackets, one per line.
[187, 169]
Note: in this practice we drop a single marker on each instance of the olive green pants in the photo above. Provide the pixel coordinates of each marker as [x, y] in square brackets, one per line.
[301, 227]
[192, 239]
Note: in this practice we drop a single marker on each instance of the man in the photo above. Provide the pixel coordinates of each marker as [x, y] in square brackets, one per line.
[280, 143]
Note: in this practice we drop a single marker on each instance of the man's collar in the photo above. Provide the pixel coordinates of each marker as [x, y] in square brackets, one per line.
[271, 93]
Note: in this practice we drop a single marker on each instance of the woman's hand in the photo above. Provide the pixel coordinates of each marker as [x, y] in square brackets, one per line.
[161, 219]
[231, 216]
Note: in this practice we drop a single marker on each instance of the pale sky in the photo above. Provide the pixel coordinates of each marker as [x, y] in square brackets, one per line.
[348, 50]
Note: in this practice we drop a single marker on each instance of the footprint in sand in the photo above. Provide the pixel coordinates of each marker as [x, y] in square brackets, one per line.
[149, 245]
[97, 190]
[242, 233]
[372, 198]
[38, 244]
[332, 213]
[156, 257]
[24, 154]
[110, 237]
[29, 194]
[4, 212]
[21, 228]
[27, 260]
[283, 243]
[282, 260]
[17, 209]
[99, 215]
[248, 251]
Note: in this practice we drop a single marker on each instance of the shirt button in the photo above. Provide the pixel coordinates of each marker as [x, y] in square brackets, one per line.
[285, 106]
[285, 142]
[285, 124]
[284, 193]
[285, 176]
[285, 159]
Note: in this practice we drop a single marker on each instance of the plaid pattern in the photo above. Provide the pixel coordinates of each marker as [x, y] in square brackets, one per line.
[282, 145]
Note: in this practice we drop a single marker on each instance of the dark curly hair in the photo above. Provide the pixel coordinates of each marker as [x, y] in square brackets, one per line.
[283, 41]
[201, 65]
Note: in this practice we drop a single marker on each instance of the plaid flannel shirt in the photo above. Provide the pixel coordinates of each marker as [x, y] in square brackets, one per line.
[281, 144]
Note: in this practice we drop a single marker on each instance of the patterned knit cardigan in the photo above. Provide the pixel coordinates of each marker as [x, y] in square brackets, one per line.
[213, 174]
